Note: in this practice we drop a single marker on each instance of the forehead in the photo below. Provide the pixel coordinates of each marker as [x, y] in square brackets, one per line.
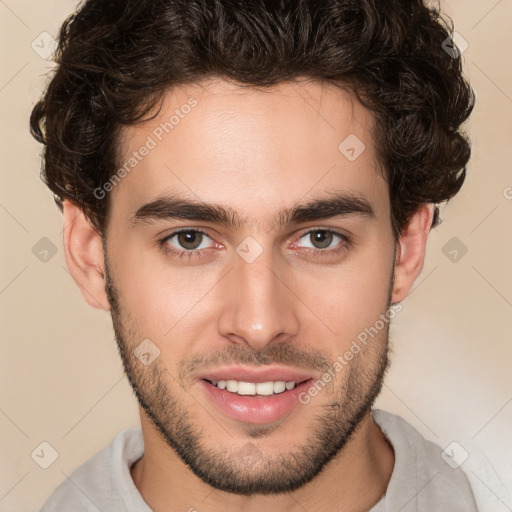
[250, 148]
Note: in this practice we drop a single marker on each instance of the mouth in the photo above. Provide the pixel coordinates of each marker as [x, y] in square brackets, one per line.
[244, 388]
[251, 396]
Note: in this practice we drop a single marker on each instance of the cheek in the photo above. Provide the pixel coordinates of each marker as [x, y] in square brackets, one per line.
[340, 301]
[351, 297]
[160, 297]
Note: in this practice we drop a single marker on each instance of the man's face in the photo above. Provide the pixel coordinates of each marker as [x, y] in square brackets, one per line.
[266, 293]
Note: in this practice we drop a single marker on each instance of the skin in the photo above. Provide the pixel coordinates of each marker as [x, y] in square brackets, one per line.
[257, 152]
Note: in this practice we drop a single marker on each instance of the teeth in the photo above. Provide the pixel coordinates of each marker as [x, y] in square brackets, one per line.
[265, 388]
[246, 388]
[232, 385]
[279, 386]
[254, 388]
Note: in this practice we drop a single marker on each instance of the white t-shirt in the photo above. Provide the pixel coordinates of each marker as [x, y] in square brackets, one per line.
[421, 480]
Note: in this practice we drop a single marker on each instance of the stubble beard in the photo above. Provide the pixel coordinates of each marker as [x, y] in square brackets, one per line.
[248, 470]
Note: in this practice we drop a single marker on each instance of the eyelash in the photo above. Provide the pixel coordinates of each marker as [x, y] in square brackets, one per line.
[195, 253]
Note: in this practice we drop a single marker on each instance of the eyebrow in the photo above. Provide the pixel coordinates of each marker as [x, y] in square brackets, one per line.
[338, 204]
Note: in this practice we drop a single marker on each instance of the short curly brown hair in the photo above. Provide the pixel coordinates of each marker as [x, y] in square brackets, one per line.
[117, 58]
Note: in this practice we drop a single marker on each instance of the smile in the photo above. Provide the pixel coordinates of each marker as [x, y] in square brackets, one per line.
[255, 388]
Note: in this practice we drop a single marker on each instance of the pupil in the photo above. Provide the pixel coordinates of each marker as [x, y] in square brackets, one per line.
[186, 239]
[323, 237]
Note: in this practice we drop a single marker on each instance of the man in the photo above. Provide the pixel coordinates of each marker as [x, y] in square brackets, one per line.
[248, 187]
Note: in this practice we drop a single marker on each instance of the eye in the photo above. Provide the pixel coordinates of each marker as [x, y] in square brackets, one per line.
[187, 240]
[193, 243]
[321, 239]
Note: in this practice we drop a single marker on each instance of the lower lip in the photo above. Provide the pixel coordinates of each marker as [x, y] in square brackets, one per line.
[254, 408]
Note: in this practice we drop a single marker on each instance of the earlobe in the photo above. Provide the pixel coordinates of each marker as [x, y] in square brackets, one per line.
[83, 250]
[410, 253]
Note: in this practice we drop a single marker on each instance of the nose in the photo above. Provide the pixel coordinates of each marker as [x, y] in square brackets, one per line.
[260, 305]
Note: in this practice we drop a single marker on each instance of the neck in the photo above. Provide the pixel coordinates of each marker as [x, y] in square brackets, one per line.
[354, 480]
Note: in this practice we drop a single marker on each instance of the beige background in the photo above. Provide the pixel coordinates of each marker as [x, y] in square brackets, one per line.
[61, 378]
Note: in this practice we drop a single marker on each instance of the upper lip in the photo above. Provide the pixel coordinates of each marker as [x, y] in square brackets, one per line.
[256, 374]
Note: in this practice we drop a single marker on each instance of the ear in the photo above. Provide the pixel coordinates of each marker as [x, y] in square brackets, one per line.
[83, 250]
[410, 253]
